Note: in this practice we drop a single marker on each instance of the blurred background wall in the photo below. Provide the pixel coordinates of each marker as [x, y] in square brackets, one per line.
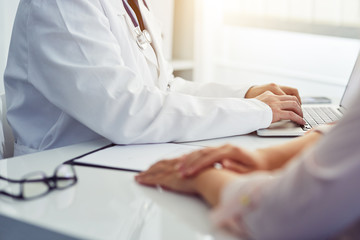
[309, 44]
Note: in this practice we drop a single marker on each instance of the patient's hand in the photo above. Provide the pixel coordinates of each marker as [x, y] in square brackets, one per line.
[209, 184]
[206, 181]
[165, 173]
[230, 157]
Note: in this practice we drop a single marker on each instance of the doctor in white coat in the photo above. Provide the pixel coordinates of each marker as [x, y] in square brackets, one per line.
[82, 70]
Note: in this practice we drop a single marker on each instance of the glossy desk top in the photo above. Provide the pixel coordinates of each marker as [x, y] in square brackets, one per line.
[109, 204]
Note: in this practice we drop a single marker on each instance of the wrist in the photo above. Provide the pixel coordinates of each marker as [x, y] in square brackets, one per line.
[248, 93]
[263, 159]
[271, 158]
[209, 184]
[199, 181]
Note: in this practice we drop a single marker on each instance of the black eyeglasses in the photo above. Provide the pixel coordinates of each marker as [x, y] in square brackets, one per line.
[34, 185]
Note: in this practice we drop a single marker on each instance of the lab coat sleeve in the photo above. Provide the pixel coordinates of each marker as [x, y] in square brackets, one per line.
[210, 89]
[78, 65]
[315, 197]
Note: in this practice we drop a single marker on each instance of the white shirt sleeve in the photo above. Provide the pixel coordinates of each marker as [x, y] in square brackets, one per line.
[210, 89]
[315, 197]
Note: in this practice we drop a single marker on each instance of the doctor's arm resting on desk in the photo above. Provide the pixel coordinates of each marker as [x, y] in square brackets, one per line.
[315, 196]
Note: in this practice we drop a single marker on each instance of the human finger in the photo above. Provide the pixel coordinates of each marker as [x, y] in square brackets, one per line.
[156, 172]
[288, 115]
[289, 98]
[186, 161]
[235, 166]
[155, 168]
[206, 159]
[218, 155]
[275, 89]
[283, 107]
[291, 91]
[292, 106]
[258, 90]
[168, 178]
[150, 179]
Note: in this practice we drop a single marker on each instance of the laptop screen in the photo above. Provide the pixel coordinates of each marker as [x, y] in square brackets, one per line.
[353, 86]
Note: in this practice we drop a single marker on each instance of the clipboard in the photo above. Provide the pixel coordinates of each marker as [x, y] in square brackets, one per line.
[132, 158]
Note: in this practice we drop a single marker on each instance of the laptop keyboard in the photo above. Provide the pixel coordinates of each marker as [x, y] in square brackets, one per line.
[315, 116]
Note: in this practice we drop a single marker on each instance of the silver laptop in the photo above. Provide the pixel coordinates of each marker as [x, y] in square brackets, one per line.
[318, 114]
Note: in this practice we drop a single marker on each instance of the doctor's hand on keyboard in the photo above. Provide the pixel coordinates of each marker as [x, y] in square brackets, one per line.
[285, 102]
[256, 91]
[284, 107]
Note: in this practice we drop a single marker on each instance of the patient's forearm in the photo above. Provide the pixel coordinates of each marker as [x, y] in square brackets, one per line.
[277, 156]
[210, 183]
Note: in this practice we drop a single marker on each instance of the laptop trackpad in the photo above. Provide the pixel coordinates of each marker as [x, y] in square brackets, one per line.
[282, 128]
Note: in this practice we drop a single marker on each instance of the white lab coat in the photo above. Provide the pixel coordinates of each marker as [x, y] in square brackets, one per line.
[75, 73]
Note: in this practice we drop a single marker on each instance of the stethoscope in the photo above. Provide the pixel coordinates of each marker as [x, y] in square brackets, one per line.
[142, 37]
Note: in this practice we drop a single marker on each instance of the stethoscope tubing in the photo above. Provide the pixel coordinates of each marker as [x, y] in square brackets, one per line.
[130, 12]
[142, 37]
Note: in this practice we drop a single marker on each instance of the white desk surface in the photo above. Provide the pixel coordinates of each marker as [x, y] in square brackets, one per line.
[109, 204]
